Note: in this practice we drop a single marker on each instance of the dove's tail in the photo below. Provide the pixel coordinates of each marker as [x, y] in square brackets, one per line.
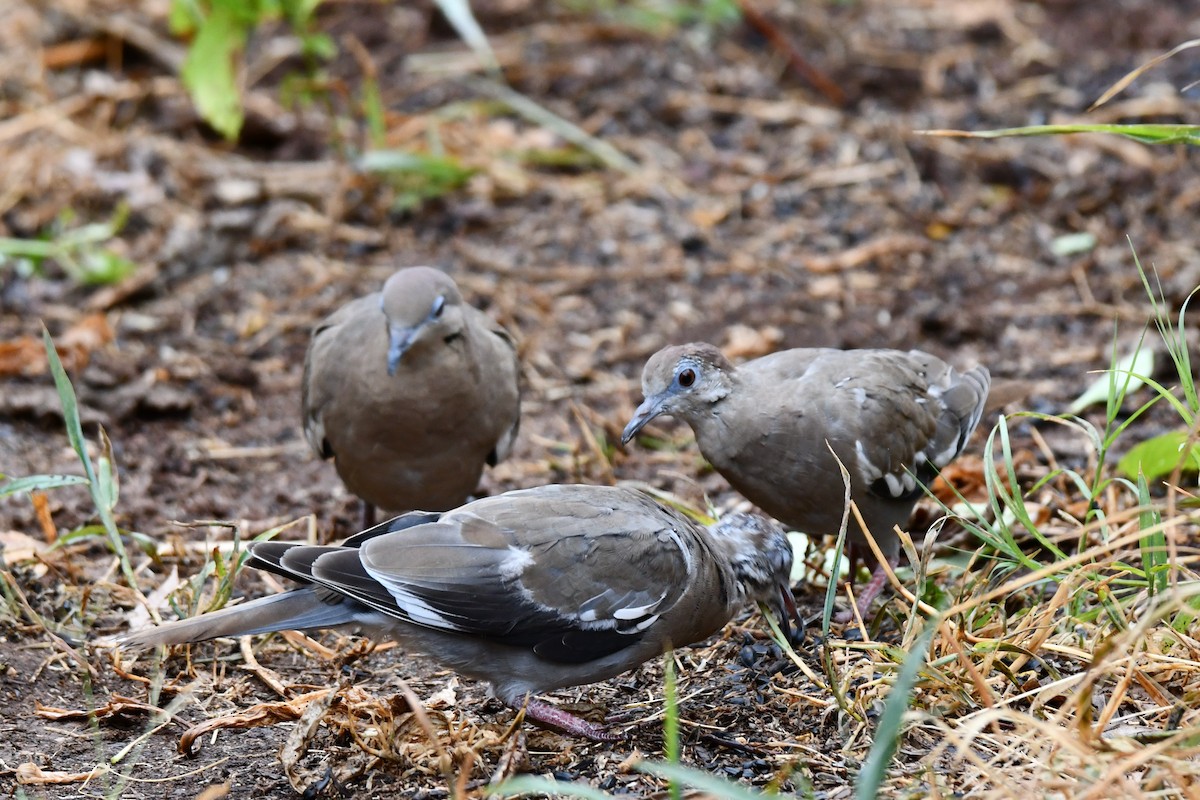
[300, 609]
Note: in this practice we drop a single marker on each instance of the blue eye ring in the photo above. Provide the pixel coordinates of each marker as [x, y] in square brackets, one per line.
[439, 305]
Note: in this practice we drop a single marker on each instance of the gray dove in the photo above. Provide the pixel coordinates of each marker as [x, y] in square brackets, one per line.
[411, 391]
[894, 418]
[531, 590]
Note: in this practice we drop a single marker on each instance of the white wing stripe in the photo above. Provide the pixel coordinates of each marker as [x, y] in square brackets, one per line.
[413, 606]
[637, 612]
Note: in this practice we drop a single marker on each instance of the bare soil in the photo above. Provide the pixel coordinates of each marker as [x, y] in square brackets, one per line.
[760, 216]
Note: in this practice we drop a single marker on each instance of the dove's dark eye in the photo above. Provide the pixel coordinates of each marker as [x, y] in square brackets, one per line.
[687, 377]
[439, 305]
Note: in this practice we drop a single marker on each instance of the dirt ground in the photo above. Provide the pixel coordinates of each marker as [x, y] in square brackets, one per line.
[758, 215]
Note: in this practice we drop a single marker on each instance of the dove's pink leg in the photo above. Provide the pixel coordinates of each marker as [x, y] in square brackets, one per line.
[870, 590]
[566, 721]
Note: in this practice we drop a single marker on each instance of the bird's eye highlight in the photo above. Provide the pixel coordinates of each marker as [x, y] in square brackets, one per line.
[687, 377]
[438, 306]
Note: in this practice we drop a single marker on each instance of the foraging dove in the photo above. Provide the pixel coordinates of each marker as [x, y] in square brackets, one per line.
[531, 590]
[411, 391]
[893, 418]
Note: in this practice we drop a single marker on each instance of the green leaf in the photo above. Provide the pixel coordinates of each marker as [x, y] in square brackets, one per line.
[1159, 456]
[184, 17]
[374, 113]
[102, 493]
[208, 70]
[416, 177]
[147, 544]
[27, 248]
[104, 267]
[36, 483]
[839, 549]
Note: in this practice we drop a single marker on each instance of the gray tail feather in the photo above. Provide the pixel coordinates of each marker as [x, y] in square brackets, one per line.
[300, 609]
[979, 382]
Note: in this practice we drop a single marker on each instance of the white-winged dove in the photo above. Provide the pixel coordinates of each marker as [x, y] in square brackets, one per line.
[530, 590]
[893, 418]
[411, 391]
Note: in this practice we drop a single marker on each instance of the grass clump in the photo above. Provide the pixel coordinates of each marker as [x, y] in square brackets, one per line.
[1065, 661]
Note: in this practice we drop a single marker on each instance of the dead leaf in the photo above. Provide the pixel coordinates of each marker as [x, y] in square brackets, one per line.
[27, 356]
[746, 342]
[445, 698]
[41, 508]
[30, 773]
[963, 476]
[707, 216]
[116, 706]
[254, 717]
[19, 547]
[296, 746]
[215, 792]
[24, 356]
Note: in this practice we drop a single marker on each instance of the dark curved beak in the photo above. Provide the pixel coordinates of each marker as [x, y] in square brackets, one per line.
[399, 340]
[650, 408]
[790, 621]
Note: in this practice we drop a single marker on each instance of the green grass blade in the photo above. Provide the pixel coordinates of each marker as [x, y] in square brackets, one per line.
[37, 483]
[706, 782]
[103, 488]
[835, 569]
[524, 785]
[1145, 133]
[1153, 546]
[887, 734]
[70, 406]
[107, 482]
[1175, 339]
[671, 720]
